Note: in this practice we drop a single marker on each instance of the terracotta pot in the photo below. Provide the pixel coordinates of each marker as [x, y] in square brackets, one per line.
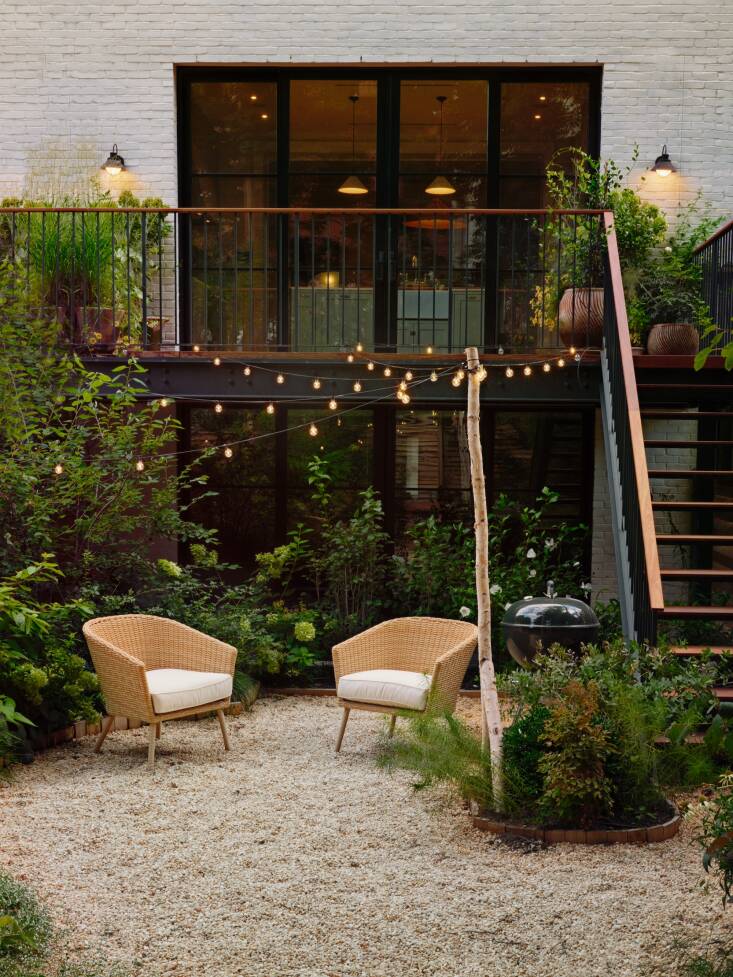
[580, 317]
[673, 339]
[97, 328]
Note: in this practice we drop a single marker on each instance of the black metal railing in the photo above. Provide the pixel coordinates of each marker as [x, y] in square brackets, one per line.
[715, 259]
[640, 587]
[311, 280]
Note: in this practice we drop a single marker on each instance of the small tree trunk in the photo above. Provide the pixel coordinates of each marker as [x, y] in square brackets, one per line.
[490, 712]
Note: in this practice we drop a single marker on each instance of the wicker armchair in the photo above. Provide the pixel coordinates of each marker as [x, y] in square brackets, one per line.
[402, 666]
[154, 669]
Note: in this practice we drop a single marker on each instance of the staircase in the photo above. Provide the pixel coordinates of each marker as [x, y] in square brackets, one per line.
[669, 451]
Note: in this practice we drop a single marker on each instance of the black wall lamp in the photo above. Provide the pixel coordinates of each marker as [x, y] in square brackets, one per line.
[114, 163]
[663, 165]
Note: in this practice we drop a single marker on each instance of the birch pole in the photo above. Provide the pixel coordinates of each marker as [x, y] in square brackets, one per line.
[490, 712]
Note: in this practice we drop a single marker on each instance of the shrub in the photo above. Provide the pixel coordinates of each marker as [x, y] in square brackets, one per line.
[523, 746]
[717, 836]
[25, 929]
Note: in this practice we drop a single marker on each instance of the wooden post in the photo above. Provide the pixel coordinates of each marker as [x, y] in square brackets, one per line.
[490, 711]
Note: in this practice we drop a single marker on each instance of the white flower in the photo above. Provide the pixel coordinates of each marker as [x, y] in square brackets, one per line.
[550, 544]
[494, 588]
[533, 573]
[586, 587]
[464, 611]
[531, 554]
[528, 596]
[507, 605]
[577, 563]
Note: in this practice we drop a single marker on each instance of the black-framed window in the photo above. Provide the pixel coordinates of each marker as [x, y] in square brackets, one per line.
[417, 461]
[262, 136]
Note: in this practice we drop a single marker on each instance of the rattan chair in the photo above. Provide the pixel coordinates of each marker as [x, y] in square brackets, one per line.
[403, 666]
[133, 653]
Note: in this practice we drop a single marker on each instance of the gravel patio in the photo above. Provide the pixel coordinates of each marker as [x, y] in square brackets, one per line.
[282, 859]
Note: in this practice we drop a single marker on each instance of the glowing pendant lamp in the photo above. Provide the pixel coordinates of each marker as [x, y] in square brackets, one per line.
[440, 186]
[352, 185]
[663, 165]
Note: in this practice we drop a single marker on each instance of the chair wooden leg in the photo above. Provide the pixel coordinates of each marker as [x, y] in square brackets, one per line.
[392, 722]
[223, 727]
[106, 727]
[152, 736]
[342, 730]
[158, 730]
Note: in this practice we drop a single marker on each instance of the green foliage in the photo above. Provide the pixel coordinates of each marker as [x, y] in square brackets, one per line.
[717, 836]
[99, 516]
[435, 574]
[713, 964]
[25, 929]
[576, 789]
[522, 746]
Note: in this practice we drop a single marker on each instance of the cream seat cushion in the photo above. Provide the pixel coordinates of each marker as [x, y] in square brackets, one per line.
[386, 687]
[172, 689]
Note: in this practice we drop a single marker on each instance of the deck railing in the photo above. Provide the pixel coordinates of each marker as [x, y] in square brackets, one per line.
[637, 557]
[715, 259]
[293, 279]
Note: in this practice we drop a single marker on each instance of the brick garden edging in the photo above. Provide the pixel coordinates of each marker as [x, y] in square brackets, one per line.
[556, 836]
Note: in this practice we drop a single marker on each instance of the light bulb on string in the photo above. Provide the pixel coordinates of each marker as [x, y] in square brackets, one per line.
[313, 431]
[140, 465]
[197, 349]
[228, 452]
[350, 358]
[280, 378]
[357, 387]
[58, 468]
[218, 408]
[359, 348]
[247, 371]
[217, 361]
[527, 371]
[433, 377]
[387, 371]
[332, 405]
[509, 373]
[456, 381]
[572, 351]
[429, 350]
[460, 374]
[270, 408]
[546, 367]
[163, 401]
[408, 375]
[561, 362]
[405, 398]
[481, 373]
[370, 365]
[316, 384]
[403, 385]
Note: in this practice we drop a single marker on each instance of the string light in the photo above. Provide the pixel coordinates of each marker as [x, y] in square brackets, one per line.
[481, 373]
[163, 401]
[280, 378]
[58, 469]
[357, 387]
[408, 375]
[455, 381]
[460, 374]
[433, 377]
[561, 362]
[429, 350]
[332, 404]
[228, 452]
[350, 358]
[527, 371]
[316, 384]
[247, 371]
[140, 465]
[546, 367]
[197, 349]
[359, 348]
[509, 373]
[405, 398]
[370, 365]
[217, 361]
[270, 408]
[387, 371]
[313, 431]
[403, 385]
[572, 351]
[218, 408]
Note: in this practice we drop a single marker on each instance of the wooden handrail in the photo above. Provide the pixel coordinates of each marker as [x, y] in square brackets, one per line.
[385, 211]
[714, 237]
[641, 472]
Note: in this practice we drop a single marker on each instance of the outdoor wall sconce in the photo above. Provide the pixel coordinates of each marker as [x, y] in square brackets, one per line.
[114, 163]
[663, 165]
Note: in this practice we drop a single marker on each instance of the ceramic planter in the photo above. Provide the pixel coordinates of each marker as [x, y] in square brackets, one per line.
[673, 339]
[580, 317]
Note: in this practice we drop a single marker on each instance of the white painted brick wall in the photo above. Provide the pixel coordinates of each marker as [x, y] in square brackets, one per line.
[80, 71]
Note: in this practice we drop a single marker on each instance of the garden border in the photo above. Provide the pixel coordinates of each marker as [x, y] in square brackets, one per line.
[556, 836]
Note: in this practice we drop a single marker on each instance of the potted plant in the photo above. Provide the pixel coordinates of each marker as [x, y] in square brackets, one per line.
[577, 181]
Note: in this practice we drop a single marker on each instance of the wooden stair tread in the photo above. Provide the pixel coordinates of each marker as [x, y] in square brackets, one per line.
[694, 506]
[674, 539]
[690, 472]
[682, 574]
[724, 385]
[694, 650]
[684, 415]
[705, 613]
[723, 694]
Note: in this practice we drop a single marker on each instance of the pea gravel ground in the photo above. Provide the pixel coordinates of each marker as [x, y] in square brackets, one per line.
[282, 859]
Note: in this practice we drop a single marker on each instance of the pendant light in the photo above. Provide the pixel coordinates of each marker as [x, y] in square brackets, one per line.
[352, 185]
[440, 186]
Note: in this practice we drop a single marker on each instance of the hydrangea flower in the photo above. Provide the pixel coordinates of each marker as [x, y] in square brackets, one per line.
[587, 587]
[304, 631]
[531, 554]
[533, 572]
[169, 568]
[550, 544]
[494, 588]
[464, 611]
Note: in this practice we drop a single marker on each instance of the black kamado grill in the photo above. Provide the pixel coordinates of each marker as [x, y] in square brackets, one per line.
[538, 622]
